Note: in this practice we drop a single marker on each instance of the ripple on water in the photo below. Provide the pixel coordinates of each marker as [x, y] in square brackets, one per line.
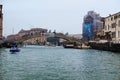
[57, 63]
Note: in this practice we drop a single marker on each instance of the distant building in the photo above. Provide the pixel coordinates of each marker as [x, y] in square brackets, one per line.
[40, 32]
[112, 26]
[37, 40]
[92, 24]
[33, 31]
[14, 37]
[1, 23]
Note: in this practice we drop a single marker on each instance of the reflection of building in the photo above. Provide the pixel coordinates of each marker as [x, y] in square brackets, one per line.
[92, 24]
[112, 26]
[1, 22]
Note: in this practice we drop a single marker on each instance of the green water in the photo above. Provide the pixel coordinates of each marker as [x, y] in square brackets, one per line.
[57, 63]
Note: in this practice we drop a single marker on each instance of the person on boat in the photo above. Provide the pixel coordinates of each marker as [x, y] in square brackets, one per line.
[14, 44]
[14, 47]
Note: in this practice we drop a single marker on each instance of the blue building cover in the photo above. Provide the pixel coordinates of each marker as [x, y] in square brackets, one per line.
[88, 31]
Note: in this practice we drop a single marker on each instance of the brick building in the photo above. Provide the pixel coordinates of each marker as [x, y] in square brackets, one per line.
[1, 22]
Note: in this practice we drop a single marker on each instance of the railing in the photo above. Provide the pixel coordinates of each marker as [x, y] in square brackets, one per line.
[71, 39]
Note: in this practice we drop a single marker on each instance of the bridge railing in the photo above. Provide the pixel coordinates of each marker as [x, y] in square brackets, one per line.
[72, 39]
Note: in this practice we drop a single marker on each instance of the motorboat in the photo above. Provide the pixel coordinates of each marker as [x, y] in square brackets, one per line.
[14, 49]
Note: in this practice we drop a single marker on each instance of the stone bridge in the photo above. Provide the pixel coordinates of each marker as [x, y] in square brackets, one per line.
[39, 38]
[71, 39]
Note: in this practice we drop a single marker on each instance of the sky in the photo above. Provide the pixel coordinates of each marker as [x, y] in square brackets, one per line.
[60, 15]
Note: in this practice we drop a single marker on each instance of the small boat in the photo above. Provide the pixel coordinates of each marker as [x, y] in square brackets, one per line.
[13, 50]
[14, 47]
[74, 45]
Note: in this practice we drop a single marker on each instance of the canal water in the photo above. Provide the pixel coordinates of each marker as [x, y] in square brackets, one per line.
[57, 63]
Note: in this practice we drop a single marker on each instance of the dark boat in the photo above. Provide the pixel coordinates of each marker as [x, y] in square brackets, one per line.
[74, 45]
[13, 50]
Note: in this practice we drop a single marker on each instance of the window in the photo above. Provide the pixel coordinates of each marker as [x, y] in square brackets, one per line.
[108, 27]
[113, 25]
[119, 34]
[111, 18]
[115, 17]
[119, 15]
[105, 27]
[0, 15]
[0, 27]
[119, 23]
[113, 34]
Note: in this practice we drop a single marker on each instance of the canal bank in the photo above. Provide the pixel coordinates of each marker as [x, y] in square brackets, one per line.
[106, 45]
[57, 63]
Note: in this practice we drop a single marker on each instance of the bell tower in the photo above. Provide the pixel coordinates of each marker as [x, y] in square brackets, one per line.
[1, 22]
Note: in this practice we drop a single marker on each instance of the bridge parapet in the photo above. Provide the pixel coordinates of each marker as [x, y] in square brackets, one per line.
[71, 39]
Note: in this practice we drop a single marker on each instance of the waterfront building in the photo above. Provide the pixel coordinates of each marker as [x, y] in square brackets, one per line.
[14, 37]
[23, 32]
[112, 26]
[92, 24]
[37, 40]
[33, 36]
[1, 23]
[33, 31]
[40, 34]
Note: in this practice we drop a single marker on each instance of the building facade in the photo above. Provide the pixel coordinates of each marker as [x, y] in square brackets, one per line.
[33, 31]
[112, 26]
[11, 38]
[40, 32]
[1, 23]
[33, 36]
[92, 24]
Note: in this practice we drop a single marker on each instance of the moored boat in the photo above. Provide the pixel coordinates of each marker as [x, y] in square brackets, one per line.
[74, 45]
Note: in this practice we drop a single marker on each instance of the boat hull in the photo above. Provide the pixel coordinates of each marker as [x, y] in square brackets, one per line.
[14, 50]
[74, 45]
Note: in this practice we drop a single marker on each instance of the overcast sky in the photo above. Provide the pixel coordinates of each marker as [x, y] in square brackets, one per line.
[60, 15]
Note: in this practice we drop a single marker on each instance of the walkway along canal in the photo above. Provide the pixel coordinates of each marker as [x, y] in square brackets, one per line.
[57, 63]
